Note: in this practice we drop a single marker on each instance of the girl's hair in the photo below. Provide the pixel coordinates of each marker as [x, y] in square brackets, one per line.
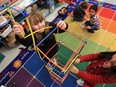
[108, 55]
[84, 5]
[94, 7]
[35, 17]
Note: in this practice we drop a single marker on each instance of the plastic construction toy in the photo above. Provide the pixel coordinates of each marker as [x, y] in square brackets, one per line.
[67, 54]
[65, 57]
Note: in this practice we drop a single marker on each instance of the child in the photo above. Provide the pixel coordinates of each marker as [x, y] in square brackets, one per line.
[101, 70]
[79, 12]
[94, 23]
[37, 22]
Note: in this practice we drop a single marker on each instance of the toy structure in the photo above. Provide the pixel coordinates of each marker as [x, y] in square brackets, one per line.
[65, 56]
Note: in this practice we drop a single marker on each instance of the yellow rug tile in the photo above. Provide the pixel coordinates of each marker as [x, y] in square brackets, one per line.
[109, 41]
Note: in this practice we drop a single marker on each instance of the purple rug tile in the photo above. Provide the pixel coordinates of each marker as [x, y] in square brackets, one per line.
[35, 83]
[21, 79]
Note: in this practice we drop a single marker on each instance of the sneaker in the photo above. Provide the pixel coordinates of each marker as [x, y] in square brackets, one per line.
[72, 19]
[90, 31]
[80, 82]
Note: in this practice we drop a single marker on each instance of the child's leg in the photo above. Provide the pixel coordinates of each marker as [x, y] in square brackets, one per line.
[87, 23]
[91, 30]
[92, 27]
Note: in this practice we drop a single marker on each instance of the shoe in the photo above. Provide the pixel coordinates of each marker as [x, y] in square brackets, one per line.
[80, 82]
[90, 31]
[72, 19]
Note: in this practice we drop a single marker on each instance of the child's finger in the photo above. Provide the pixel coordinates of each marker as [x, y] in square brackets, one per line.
[61, 25]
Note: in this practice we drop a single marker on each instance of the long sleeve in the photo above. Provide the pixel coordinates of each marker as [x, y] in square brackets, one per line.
[89, 57]
[54, 25]
[96, 79]
[26, 42]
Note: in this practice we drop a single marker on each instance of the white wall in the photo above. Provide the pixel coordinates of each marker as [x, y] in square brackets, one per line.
[109, 1]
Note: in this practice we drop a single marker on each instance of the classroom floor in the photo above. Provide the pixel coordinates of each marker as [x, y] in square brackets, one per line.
[33, 69]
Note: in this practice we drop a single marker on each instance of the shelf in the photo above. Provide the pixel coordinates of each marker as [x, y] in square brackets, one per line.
[4, 24]
[20, 18]
[2, 2]
[4, 9]
[45, 12]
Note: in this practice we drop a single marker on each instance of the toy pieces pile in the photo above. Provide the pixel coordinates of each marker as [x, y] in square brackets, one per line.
[10, 39]
[3, 29]
[7, 16]
[3, 20]
[63, 11]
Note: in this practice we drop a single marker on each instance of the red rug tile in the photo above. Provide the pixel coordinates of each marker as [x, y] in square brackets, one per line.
[114, 18]
[108, 13]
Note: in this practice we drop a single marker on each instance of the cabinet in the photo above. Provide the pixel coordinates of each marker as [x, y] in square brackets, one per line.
[51, 5]
[21, 5]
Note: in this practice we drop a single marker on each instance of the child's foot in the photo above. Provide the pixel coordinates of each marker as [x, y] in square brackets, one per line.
[72, 19]
[83, 26]
[90, 31]
[80, 82]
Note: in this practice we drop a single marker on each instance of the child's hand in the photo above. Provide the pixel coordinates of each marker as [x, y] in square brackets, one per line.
[88, 27]
[77, 61]
[74, 69]
[18, 29]
[61, 24]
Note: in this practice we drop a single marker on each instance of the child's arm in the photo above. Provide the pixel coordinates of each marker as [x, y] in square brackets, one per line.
[89, 57]
[18, 30]
[20, 33]
[92, 78]
[62, 25]
[57, 25]
[96, 79]
[92, 27]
